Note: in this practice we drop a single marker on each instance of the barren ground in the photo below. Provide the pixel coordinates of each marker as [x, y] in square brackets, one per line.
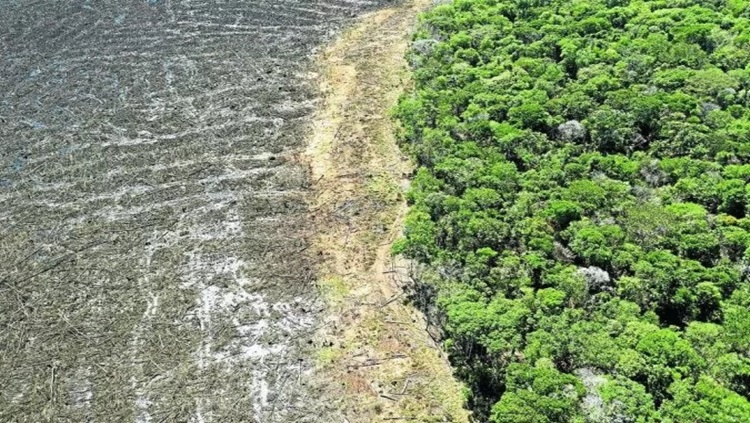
[380, 361]
[168, 254]
[154, 227]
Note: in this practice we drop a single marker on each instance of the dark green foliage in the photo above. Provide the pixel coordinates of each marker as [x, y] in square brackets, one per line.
[581, 204]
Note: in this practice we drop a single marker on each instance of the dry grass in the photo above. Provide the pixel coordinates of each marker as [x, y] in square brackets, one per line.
[380, 363]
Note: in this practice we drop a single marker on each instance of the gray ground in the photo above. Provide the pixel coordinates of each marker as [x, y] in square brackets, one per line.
[152, 224]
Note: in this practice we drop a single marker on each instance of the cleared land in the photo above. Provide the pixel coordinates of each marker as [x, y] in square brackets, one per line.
[380, 361]
[153, 213]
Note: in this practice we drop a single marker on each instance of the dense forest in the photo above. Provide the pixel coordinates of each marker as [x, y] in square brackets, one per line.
[581, 205]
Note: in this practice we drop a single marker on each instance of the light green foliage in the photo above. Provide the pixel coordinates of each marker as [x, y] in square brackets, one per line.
[539, 394]
[626, 401]
[582, 190]
[704, 401]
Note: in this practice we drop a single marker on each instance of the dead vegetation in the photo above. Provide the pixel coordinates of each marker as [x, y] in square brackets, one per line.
[153, 219]
[379, 362]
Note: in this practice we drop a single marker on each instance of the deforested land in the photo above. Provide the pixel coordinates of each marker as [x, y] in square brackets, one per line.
[581, 205]
[154, 219]
[375, 352]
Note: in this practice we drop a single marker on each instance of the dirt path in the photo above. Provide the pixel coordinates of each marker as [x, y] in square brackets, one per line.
[380, 362]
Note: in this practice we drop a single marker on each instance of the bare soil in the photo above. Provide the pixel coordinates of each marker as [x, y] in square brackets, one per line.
[154, 226]
[377, 359]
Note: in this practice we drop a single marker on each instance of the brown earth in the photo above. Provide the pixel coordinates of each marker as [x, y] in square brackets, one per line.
[378, 361]
[154, 260]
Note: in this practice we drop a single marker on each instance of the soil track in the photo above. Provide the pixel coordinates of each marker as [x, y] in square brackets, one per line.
[154, 226]
[381, 362]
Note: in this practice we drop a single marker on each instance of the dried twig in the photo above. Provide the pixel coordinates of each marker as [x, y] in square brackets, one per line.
[394, 298]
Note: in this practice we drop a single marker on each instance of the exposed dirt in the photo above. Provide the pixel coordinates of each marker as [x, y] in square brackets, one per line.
[380, 362]
[154, 263]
